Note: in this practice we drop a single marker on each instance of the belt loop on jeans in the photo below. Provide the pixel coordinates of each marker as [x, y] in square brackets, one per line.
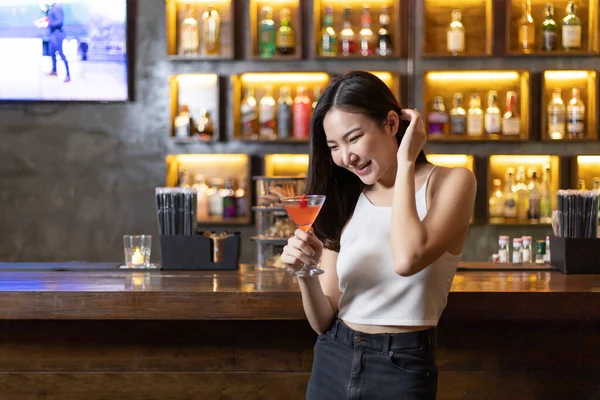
[387, 338]
[335, 329]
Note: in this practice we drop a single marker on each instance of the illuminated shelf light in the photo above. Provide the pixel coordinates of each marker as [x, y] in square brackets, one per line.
[520, 159]
[212, 158]
[473, 76]
[208, 79]
[589, 160]
[285, 77]
[565, 75]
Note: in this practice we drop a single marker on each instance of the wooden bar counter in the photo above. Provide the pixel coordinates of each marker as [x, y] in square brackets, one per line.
[114, 334]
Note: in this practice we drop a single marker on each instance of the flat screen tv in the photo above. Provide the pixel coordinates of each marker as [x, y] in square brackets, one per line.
[68, 50]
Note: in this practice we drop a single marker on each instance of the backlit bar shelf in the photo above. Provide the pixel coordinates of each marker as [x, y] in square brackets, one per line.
[476, 18]
[196, 12]
[286, 46]
[587, 168]
[447, 83]
[585, 84]
[453, 160]
[280, 165]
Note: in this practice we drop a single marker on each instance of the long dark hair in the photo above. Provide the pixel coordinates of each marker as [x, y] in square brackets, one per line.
[356, 92]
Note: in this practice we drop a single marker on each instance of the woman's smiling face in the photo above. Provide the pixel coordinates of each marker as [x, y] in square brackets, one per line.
[360, 145]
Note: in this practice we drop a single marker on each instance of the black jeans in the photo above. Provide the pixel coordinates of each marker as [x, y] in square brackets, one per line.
[56, 45]
[351, 365]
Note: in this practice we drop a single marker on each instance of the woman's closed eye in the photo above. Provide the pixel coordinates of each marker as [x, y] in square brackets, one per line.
[355, 139]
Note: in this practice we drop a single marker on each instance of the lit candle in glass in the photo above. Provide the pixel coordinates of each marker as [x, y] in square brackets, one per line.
[137, 257]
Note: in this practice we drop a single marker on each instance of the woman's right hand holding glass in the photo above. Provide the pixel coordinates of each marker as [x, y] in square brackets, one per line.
[302, 248]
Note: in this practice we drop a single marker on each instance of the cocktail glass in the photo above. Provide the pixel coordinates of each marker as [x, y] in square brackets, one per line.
[303, 210]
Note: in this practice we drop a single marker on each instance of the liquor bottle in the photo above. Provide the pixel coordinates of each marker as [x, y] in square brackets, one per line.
[267, 114]
[347, 35]
[285, 39]
[496, 203]
[189, 33]
[228, 194]
[215, 197]
[249, 115]
[201, 197]
[241, 202]
[437, 118]
[522, 192]
[510, 198]
[367, 39]
[458, 116]
[301, 114]
[183, 123]
[575, 116]
[556, 116]
[455, 36]
[526, 29]
[316, 97]
[511, 121]
[384, 39]
[571, 29]
[211, 24]
[581, 184]
[492, 114]
[534, 199]
[328, 45]
[545, 196]
[284, 113]
[266, 33]
[549, 29]
[205, 127]
[475, 116]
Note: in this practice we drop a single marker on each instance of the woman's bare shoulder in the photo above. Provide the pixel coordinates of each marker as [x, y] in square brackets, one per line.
[459, 178]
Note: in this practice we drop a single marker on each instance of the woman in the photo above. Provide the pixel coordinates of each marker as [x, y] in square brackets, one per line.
[388, 239]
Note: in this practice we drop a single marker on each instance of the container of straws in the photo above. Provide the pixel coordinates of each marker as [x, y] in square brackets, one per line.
[575, 244]
[182, 246]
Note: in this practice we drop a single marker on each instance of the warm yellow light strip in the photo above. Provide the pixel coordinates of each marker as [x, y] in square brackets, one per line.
[473, 76]
[284, 159]
[565, 75]
[210, 79]
[207, 2]
[279, 2]
[212, 158]
[453, 3]
[449, 159]
[384, 76]
[589, 160]
[520, 159]
[357, 3]
[285, 77]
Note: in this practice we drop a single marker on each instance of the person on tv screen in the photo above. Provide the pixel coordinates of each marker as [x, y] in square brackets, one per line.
[56, 34]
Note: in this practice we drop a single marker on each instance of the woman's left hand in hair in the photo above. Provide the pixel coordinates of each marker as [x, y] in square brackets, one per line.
[414, 139]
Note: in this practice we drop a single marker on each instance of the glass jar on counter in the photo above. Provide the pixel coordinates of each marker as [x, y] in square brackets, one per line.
[270, 190]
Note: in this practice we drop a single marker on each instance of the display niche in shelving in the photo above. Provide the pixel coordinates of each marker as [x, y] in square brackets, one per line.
[276, 29]
[546, 169]
[223, 178]
[474, 123]
[282, 165]
[194, 107]
[475, 37]
[359, 29]
[199, 29]
[575, 102]
[453, 160]
[258, 110]
[587, 168]
[568, 39]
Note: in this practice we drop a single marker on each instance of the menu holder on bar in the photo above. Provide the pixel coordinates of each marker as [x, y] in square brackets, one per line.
[575, 246]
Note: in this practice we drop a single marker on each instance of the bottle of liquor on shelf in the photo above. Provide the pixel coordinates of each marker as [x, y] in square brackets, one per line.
[526, 29]
[522, 191]
[496, 203]
[575, 116]
[316, 97]
[301, 114]
[458, 116]
[367, 39]
[285, 39]
[437, 118]
[545, 196]
[205, 127]
[211, 32]
[229, 206]
[492, 114]
[549, 29]
[241, 202]
[284, 113]
[328, 44]
[384, 39]
[202, 208]
[535, 206]
[215, 197]
[597, 189]
[475, 116]
[571, 29]
[511, 121]
[526, 249]
[266, 33]
[581, 184]
[249, 115]
[455, 36]
[347, 35]
[556, 116]
[189, 33]
[510, 197]
[183, 123]
[266, 115]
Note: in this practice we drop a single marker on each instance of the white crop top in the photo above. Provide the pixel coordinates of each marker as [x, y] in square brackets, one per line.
[372, 293]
